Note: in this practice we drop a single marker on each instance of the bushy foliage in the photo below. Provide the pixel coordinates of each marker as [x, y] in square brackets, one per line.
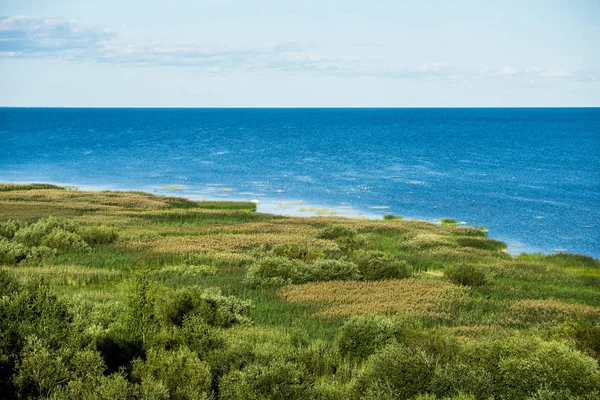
[376, 265]
[449, 222]
[329, 270]
[64, 240]
[14, 253]
[279, 380]
[34, 234]
[181, 372]
[391, 216]
[10, 227]
[297, 251]
[279, 271]
[361, 336]
[22, 242]
[482, 243]
[274, 271]
[42, 370]
[466, 275]
[336, 231]
[405, 371]
[209, 305]
[347, 238]
[98, 235]
[199, 336]
[11, 252]
[523, 366]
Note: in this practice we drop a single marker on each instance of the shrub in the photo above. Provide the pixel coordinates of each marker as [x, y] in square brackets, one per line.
[198, 336]
[376, 265]
[98, 235]
[406, 372]
[180, 371]
[551, 366]
[274, 271]
[296, 251]
[459, 376]
[208, 304]
[482, 243]
[11, 252]
[223, 311]
[361, 336]
[32, 235]
[391, 216]
[525, 367]
[329, 270]
[336, 231]
[346, 238]
[38, 253]
[449, 221]
[10, 227]
[466, 275]
[281, 380]
[424, 241]
[64, 240]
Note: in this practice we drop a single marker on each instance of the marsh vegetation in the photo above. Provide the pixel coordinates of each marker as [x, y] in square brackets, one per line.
[126, 295]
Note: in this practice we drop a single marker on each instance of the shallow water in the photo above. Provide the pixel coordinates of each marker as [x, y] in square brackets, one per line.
[531, 176]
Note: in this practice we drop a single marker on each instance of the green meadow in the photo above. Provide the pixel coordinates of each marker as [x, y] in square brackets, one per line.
[128, 295]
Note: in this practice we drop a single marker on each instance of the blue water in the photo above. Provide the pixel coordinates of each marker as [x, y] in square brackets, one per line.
[531, 176]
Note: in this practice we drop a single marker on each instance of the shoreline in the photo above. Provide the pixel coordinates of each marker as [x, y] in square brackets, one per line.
[296, 208]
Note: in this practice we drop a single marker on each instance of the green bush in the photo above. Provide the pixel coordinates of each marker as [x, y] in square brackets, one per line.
[466, 275]
[199, 336]
[10, 227]
[336, 231]
[329, 270]
[376, 265]
[44, 372]
[449, 221]
[11, 252]
[391, 216]
[32, 235]
[404, 371]
[223, 311]
[297, 251]
[361, 336]
[98, 235]
[64, 240]
[346, 238]
[180, 371]
[551, 366]
[453, 378]
[274, 271]
[208, 304]
[482, 243]
[279, 380]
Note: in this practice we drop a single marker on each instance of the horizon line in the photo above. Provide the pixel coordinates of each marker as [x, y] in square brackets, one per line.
[300, 107]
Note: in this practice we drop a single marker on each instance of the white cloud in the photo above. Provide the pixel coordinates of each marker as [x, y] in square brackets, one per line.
[72, 41]
[20, 35]
[507, 71]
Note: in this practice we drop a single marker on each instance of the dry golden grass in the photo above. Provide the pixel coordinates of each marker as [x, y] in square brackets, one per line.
[82, 199]
[65, 275]
[548, 311]
[214, 242]
[345, 298]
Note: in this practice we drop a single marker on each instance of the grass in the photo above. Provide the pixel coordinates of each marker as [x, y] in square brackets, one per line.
[184, 244]
[342, 299]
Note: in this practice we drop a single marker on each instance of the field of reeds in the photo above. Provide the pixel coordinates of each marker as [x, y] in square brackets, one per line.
[109, 295]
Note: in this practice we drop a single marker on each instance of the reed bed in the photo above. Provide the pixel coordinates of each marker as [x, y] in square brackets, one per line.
[342, 299]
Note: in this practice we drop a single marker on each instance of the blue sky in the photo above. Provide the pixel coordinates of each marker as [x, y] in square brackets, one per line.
[328, 53]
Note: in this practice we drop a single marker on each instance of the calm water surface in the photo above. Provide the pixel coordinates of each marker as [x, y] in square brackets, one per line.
[531, 176]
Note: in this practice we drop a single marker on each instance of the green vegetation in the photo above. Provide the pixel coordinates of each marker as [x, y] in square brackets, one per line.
[126, 295]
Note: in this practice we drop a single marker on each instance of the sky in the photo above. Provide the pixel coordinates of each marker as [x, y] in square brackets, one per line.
[326, 53]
